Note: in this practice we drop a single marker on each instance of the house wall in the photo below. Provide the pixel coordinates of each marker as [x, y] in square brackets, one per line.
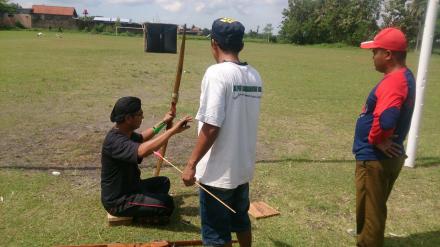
[10, 20]
[24, 19]
[53, 21]
[6, 20]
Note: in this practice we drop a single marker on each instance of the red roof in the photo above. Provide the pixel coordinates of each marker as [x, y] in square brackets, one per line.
[54, 10]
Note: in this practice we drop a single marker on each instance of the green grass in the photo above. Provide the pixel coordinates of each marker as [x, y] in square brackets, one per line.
[56, 96]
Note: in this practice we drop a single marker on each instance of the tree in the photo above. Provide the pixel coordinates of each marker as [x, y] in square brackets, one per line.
[298, 24]
[206, 31]
[85, 23]
[6, 7]
[406, 15]
[329, 21]
[117, 24]
[350, 21]
[437, 27]
[268, 31]
[418, 10]
[251, 34]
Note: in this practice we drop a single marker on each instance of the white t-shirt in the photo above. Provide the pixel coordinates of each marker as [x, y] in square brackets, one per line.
[230, 99]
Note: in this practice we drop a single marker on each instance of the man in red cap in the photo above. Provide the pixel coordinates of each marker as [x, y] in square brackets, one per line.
[380, 131]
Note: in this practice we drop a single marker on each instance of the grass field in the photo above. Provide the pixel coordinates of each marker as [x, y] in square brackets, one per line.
[56, 96]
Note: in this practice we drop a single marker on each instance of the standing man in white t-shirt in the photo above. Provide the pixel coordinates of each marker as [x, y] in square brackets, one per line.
[223, 159]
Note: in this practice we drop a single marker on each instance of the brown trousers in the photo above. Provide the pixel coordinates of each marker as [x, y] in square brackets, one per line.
[374, 182]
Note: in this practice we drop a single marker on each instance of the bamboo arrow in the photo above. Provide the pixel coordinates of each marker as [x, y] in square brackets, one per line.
[196, 183]
[174, 97]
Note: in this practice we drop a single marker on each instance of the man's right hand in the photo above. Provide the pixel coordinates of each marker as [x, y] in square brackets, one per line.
[181, 125]
[188, 175]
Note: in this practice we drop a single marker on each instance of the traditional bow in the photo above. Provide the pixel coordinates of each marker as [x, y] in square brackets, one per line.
[174, 97]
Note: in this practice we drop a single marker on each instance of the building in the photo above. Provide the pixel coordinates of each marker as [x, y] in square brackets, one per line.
[59, 17]
[190, 31]
[111, 20]
[53, 17]
[118, 25]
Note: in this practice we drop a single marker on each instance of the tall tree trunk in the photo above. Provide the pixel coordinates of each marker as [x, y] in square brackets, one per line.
[419, 36]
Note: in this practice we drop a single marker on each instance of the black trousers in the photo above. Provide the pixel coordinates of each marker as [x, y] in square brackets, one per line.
[152, 200]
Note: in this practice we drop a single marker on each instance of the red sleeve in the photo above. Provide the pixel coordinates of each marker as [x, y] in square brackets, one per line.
[390, 95]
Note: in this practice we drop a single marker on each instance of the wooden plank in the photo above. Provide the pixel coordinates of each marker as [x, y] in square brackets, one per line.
[119, 221]
[260, 210]
[152, 244]
[160, 243]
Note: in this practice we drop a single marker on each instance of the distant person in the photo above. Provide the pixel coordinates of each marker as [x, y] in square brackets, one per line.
[123, 192]
[223, 159]
[380, 131]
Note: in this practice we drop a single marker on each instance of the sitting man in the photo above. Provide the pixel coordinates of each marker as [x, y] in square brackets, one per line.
[123, 192]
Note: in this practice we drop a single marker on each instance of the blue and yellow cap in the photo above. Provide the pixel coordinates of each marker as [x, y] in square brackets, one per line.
[227, 31]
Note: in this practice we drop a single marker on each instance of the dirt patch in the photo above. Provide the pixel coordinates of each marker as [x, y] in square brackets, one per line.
[79, 146]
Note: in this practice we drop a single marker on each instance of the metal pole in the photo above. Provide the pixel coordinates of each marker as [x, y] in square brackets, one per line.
[422, 72]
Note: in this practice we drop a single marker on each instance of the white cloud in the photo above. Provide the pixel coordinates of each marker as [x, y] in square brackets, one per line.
[65, 3]
[26, 4]
[170, 5]
[243, 6]
[130, 2]
[209, 7]
[275, 2]
[204, 6]
[199, 7]
[252, 13]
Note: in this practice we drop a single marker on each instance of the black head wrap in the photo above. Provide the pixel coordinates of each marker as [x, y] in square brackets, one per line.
[124, 106]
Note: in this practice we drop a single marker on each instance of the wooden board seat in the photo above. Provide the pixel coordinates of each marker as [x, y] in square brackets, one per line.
[119, 221]
[260, 210]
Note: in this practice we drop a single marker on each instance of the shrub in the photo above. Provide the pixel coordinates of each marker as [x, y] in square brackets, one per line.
[85, 23]
[108, 29]
[19, 25]
[99, 28]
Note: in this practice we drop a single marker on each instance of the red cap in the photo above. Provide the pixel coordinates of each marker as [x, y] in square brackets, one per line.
[389, 38]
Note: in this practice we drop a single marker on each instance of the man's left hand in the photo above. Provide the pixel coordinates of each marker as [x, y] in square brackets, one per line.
[169, 116]
[390, 148]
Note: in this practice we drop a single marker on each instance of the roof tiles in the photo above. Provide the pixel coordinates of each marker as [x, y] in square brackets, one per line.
[54, 10]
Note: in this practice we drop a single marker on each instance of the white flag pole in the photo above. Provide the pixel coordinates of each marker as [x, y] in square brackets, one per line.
[422, 71]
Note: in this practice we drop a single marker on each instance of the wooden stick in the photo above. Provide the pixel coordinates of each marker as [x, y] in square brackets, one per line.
[160, 243]
[197, 183]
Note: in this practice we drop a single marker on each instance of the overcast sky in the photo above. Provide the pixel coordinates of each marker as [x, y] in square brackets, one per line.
[251, 13]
